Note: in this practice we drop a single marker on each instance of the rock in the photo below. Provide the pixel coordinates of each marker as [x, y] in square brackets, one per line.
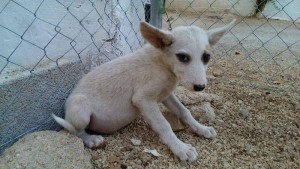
[127, 148]
[220, 123]
[270, 97]
[135, 142]
[153, 152]
[214, 159]
[183, 164]
[95, 156]
[217, 73]
[222, 111]
[208, 113]
[175, 122]
[234, 125]
[244, 113]
[211, 77]
[123, 166]
[226, 164]
[297, 122]
[240, 102]
[114, 162]
[47, 149]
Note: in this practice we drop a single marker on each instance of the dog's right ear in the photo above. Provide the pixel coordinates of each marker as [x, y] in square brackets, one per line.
[214, 35]
[156, 37]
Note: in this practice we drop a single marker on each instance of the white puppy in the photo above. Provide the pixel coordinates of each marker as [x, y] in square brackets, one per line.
[115, 93]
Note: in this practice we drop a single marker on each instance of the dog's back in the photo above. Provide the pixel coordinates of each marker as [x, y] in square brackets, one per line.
[109, 88]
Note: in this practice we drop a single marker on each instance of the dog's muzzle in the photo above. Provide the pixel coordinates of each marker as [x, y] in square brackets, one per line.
[199, 87]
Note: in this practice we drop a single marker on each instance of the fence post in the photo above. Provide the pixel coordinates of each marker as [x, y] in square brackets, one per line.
[155, 15]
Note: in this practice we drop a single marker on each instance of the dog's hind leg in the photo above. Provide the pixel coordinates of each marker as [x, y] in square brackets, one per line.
[176, 107]
[78, 114]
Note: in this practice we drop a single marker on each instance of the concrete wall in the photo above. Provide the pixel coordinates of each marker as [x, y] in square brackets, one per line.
[239, 7]
[60, 34]
[279, 9]
[291, 10]
[46, 46]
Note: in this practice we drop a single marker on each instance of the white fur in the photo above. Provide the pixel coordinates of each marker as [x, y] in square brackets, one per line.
[115, 93]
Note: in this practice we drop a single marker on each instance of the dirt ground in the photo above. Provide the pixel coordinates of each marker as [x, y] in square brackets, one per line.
[245, 73]
[256, 129]
[267, 137]
[257, 120]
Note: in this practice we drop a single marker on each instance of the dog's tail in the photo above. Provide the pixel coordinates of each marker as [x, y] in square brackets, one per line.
[65, 124]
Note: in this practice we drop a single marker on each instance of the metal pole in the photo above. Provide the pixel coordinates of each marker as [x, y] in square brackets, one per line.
[155, 15]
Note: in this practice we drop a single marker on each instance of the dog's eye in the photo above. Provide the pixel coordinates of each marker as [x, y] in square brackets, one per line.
[183, 57]
[205, 57]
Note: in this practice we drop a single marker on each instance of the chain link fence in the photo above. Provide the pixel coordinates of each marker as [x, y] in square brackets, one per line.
[261, 50]
[46, 46]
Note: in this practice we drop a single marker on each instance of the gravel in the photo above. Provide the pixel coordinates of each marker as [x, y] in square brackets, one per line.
[269, 138]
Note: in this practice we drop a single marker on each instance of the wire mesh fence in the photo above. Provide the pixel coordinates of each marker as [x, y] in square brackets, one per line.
[46, 46]
[261, 50]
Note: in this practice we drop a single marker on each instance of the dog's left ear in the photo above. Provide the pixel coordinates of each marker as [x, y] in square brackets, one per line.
[156, 37]
[214, 35]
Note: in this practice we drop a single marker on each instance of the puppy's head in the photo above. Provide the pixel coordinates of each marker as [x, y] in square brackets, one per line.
[187, 50]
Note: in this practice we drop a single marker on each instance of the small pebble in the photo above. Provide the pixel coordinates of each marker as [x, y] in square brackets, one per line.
[139, 162]
[183, 163]
[214, 159]
[123, 166]
[222, 111]
[127, 148]
[226, 164]
[209, 112]
[220, 122]
[95, 156]
[244, 113]
[217, 73]
[297, 122]
[135, 142]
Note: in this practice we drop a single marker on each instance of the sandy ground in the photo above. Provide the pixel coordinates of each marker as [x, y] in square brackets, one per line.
[267, 137]
[256, 129]
[257, 117]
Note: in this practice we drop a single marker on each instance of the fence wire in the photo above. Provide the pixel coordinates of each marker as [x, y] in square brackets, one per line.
[261, 50]
[46, 46]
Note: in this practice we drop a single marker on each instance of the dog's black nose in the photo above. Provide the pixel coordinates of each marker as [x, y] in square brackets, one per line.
[199, 87]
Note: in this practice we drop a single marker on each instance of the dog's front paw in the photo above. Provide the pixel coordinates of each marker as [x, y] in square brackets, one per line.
[185, 152]
[207, 132]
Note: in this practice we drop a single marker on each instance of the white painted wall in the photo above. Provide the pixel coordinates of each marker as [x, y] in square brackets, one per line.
[239, 7]
[283, 10]
[276, 9]
[54, 28]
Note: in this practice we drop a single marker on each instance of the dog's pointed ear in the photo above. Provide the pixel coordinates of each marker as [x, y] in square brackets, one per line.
[214, 35]
[156, 37]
